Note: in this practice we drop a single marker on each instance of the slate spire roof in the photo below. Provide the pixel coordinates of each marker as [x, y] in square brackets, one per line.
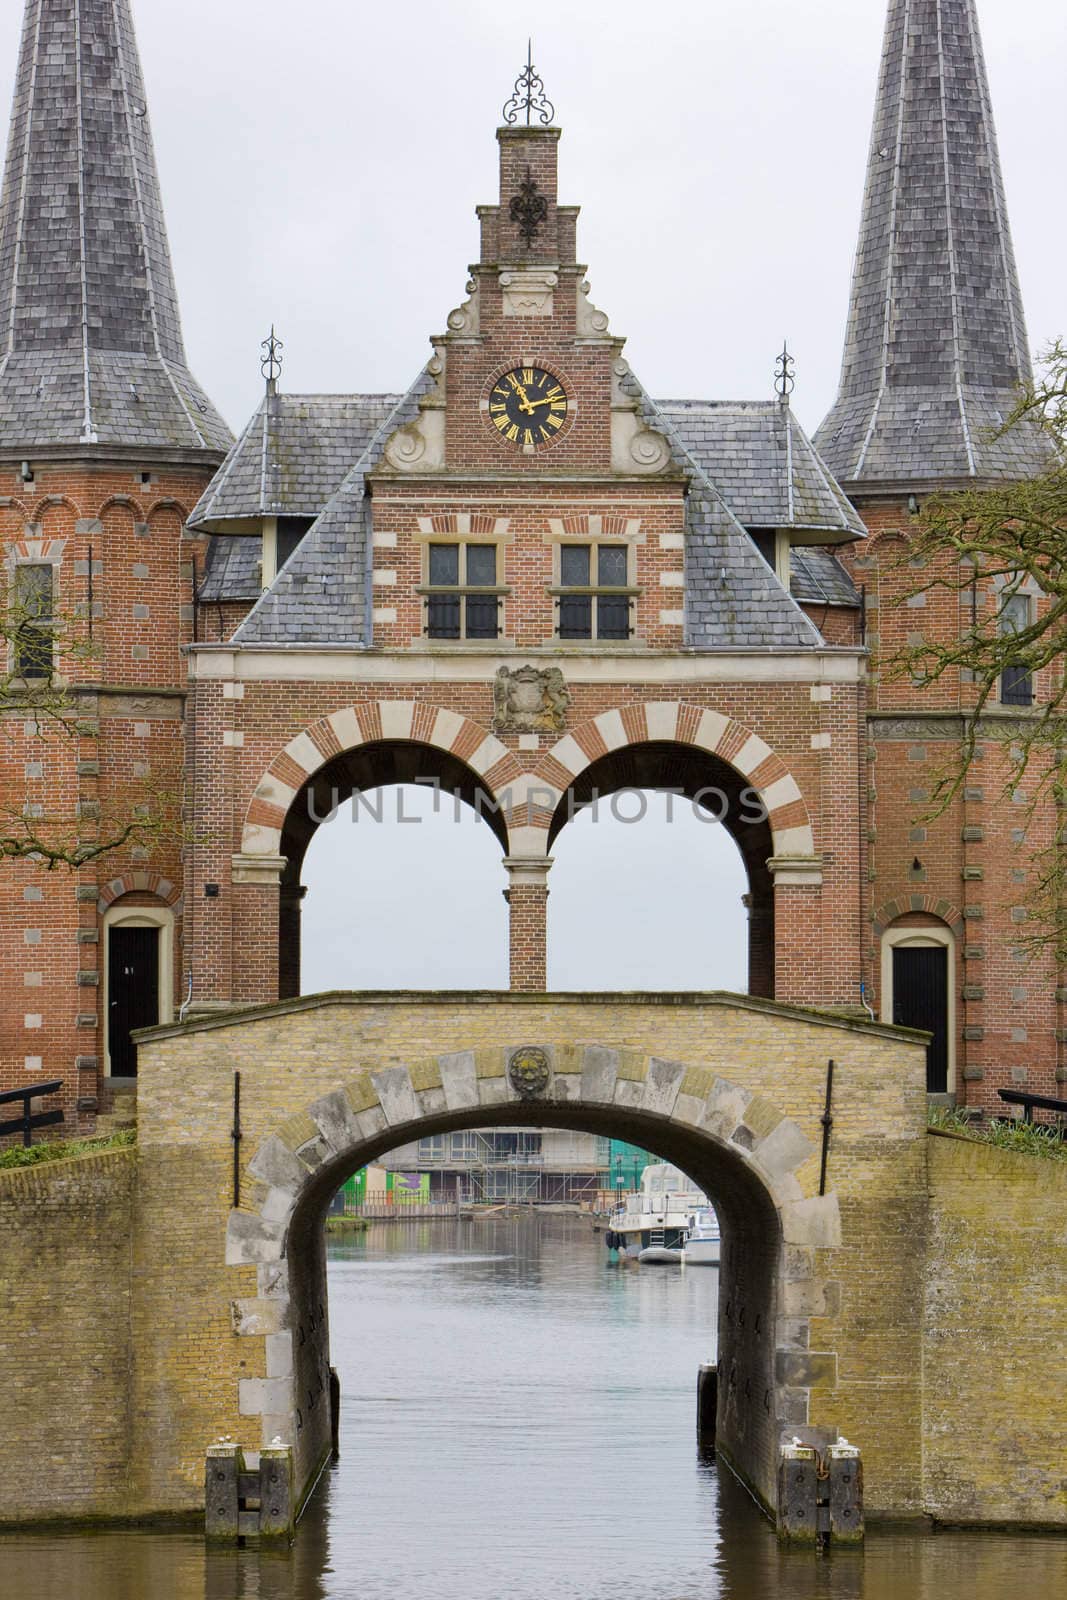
[936, 342]
[91, 350]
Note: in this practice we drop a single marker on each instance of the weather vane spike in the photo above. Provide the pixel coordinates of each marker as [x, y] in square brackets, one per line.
[271, 364]
[783, 372]
[529, 95]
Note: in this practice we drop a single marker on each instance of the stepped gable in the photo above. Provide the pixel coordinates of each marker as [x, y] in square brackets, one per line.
[936, 344]
[91, 350]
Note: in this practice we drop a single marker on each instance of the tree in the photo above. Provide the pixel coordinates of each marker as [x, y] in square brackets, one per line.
[1002, 551]
[40, 651]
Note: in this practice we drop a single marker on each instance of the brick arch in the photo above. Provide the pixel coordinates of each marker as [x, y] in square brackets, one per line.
[167, 503]
[752, 1157]
[368, 722]
[140, 883]
[52, 503]
[676, 722]
[19, 510]
[943, 910]
[885, 536]
[119, 502]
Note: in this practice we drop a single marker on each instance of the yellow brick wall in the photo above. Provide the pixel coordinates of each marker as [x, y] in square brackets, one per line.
[65, 1230]
[291, 1054]
[994, 1336]
[945, 1314]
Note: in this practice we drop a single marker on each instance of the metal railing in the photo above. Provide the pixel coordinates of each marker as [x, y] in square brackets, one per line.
[28, 1121]
[1037, 1102]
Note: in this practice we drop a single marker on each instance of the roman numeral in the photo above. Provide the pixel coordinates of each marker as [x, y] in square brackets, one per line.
[554, 421]
[527, 376]
[498, 407]
[512, 434]
[527, 436]
[559, 405]
[501, 421]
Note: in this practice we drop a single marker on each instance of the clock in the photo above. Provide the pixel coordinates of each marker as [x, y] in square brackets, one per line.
[528, 406]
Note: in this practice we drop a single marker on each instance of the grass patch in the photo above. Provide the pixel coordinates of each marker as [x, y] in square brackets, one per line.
[342, 1225]
[62, 1149]
[1028, 1138]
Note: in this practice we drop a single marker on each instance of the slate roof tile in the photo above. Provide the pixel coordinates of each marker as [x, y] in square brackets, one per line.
[936, 346]
[91, 348]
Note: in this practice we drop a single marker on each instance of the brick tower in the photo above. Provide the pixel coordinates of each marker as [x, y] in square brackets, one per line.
[106, 442]
[934, 355]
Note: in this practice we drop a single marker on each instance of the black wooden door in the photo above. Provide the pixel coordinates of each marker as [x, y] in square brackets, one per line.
[920, 1000]
[133, 992]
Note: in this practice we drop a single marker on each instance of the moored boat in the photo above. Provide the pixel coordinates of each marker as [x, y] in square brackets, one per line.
[703, 1240]
[651, 1226]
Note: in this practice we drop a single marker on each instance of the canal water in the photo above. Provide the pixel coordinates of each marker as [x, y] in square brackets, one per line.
[518, 1424]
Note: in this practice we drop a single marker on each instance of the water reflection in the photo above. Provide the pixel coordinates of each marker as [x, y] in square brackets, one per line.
[518, 1421]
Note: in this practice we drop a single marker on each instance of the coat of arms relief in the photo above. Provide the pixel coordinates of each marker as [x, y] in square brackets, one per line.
[530, 700]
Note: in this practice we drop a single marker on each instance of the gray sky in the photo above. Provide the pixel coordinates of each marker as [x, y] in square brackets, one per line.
[321, 163]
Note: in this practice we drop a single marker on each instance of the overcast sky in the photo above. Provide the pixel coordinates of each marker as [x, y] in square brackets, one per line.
[321, 163]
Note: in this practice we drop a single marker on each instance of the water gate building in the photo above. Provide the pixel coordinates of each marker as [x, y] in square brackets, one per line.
[521, 575]
[528, 579]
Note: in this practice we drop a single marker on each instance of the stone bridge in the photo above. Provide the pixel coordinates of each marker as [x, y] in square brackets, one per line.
[849, 1311]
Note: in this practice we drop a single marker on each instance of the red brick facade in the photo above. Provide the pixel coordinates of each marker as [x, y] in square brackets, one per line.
[823, 789]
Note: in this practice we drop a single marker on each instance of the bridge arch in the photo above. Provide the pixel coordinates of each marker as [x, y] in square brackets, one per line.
[735, 1143]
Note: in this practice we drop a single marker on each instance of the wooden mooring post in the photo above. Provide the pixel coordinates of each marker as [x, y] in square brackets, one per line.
[820, 1490]
[707, 1403]
[248, 1498]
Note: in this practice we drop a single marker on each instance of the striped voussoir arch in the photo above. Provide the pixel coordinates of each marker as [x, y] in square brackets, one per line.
[667, 721]
[139, 883]
[905, 904]
[369, 722]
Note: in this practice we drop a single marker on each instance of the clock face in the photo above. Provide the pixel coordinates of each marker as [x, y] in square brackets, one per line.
[528, 406]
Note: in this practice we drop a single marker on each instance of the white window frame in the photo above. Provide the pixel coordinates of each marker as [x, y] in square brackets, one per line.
[923, 938]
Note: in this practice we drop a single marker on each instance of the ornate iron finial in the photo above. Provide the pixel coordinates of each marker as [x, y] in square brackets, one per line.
[783, 373]
[271, 364]
[529, 95]
[529, 209]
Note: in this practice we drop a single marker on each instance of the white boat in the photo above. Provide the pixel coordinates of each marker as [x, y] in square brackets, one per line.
[652, 1225]
[703, 1241]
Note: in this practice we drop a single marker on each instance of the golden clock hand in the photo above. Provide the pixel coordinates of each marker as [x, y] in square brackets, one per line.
[524, 402]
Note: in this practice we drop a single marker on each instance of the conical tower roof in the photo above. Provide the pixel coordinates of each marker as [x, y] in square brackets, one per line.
[91, 352]
[936, 343]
